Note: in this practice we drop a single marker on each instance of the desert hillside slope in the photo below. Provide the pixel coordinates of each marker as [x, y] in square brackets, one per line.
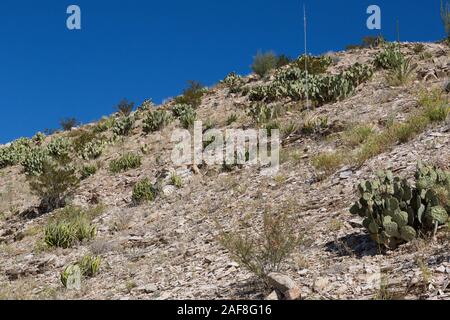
[168, 248]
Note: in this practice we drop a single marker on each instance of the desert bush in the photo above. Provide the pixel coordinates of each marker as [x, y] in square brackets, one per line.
[156, 120]
[68, 123]
[55, 183]
[402, 73]
[93, 150]
[123, 126]
[372, 41]
[125, 162]
[143, 191]
[328, 162]
[418, 48]
[266, 250]
[69, 226]
[192, 95]
[396, 211]
[357, 135]
[263, 63]
[124, 108]
[314, 124]
[87, 171]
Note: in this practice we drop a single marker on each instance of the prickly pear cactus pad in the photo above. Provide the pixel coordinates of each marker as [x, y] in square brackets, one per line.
[396, 211]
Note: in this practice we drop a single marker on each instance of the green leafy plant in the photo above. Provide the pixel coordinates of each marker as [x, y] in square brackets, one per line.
[176, 180]
[156, 120]
[125, 162]
[14, 153]
[143, 191]
[59, 147]
[34, 160]
[234, 82]
[69, 226]
[314, 65]
[396, 211]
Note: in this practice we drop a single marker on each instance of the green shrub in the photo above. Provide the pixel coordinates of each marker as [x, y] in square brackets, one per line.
[156, 120]
[263, 63]
[87, 171]
[192, 95]
[123, 126]
[124, 108]
[55, 183]
[143, 191]
[68, 227]
[396, 211]
[179, 109]
[283, 60]
[357, 135]
[125, 162]
[147, 105]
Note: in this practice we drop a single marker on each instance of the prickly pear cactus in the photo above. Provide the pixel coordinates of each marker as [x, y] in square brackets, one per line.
[395, 211]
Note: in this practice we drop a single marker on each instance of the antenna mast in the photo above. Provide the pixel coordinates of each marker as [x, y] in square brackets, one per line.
[306, 58]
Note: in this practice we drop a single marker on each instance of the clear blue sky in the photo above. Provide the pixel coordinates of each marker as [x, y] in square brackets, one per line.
[140, 49]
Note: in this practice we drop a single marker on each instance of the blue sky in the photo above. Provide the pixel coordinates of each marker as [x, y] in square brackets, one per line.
[140, 49]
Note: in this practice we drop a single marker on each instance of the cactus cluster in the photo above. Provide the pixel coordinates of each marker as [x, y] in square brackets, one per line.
[389, 58]
[295, 84]
[59, 147]
[188, 117]
[93, 149]
[314, 65]
[234, 82]
[396, 211]
[123, 126]
[34, 160]
[156, 120]
[14, 153]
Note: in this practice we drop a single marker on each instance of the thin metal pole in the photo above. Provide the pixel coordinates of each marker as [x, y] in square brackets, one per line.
[306, 57]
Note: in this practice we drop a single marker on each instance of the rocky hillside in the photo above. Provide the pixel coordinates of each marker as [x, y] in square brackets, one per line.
[156, 227]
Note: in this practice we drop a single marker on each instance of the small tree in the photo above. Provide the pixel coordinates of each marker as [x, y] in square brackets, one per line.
[68, 123]
[124, 107]
[264, 62]
[445, 15]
